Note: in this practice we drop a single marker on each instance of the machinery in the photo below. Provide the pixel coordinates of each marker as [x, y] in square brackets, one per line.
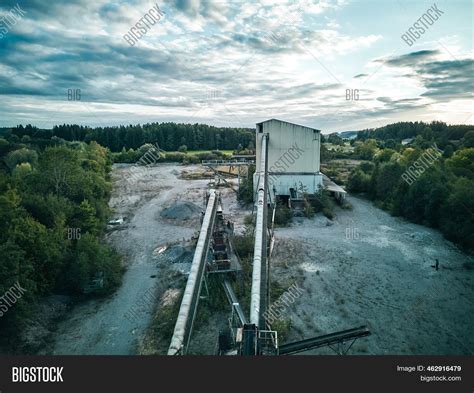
[252, 336]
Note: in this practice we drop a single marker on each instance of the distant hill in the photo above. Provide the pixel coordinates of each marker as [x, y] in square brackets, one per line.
[348, 134]
[437, 131]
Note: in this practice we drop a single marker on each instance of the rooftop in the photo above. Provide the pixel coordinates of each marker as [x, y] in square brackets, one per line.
[287, 122]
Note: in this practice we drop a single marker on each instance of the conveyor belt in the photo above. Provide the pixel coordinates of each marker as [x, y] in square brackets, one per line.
[234, 302]
[187, 311]
[321, 341]
[259, 295]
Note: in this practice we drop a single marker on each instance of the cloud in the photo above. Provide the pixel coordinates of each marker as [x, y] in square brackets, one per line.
[442, 79]
[272, 58]
[412, 58]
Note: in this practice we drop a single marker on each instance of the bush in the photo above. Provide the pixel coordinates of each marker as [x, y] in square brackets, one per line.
[358, 181]
[322, 199]
[174, 157]
[283, 327]
[366, 167]
[283, 215]
[328, 213]
[249, 220]
[92, 260]
[346, 205]
[245, 193]
[243, 245]
[309, 211]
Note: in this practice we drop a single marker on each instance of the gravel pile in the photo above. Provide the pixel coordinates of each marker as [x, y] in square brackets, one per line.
[181, 211]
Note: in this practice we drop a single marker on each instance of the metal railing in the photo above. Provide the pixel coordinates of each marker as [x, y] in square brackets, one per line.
[227, 162]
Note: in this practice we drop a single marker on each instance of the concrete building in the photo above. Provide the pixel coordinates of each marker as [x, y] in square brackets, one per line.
[293, 158]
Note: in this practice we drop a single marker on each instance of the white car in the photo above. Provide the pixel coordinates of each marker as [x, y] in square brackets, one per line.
[117, 221]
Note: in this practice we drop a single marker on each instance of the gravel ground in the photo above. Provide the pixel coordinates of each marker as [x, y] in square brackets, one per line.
[369, 268]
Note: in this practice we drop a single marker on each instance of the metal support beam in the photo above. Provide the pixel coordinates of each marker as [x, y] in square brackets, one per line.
[187, 311]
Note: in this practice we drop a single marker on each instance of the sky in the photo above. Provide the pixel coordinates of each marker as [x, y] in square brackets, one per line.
[332, 65]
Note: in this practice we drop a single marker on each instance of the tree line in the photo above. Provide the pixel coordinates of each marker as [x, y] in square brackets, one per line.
[436, 131]
[169, 136]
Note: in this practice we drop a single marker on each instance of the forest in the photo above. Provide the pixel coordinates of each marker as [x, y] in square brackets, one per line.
[53, 212]
[438, 132]
[427, 181]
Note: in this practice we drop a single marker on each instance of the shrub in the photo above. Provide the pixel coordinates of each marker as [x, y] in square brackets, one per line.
[322, 199]
[243, 245]
[283, 215]
[328, 213]
[358, 181]
[309, 211]
[283, 327]
[245, 193]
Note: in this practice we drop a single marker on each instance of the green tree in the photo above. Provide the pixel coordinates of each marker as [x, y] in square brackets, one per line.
[468, 139]
[19, 156]
[462, 163]
[358, 181]
[366, 150]
[458, 213]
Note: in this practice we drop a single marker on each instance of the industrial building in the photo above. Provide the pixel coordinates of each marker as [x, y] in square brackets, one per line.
[293, 158]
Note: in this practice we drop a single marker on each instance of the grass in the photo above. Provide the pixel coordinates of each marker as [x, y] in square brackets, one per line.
[283, 328]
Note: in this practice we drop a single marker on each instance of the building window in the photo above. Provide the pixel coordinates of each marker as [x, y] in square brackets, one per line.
[259, 128]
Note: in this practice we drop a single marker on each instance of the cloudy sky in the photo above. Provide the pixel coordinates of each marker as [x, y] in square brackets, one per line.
[236, 62]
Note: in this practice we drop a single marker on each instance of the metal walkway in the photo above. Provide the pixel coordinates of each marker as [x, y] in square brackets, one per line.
[227, 162]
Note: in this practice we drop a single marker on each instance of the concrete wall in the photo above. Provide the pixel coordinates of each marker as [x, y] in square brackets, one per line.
[293, 155]
[283, 183]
